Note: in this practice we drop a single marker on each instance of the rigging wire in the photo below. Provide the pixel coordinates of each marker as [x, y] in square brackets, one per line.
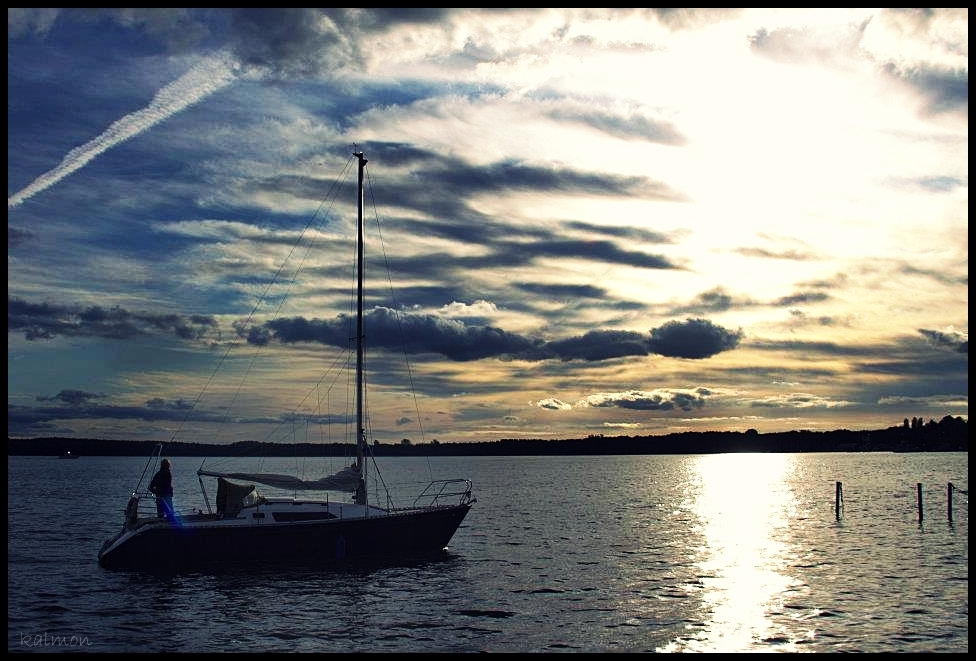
[323, 211]
[330, 200]
[395, 307]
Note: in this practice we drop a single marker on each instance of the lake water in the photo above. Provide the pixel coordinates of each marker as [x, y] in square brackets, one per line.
[711, 553]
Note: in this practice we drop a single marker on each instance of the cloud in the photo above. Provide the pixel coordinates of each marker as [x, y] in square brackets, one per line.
[26, 20]
[943, 90]
[802, 297]
[175, 405]
[553, 404]
[562, 291]
[650, 129]
[71, 397]
[950, 338]
[17, 237]
[800, 401]
[658, 400]
[600, 345]
[715, 300]
[42, 321]
[25, 418]
[289, 42]
[798, 45]
[694, 338]
[205, 78]
[412, 333]
[415, 333]
[277, 42]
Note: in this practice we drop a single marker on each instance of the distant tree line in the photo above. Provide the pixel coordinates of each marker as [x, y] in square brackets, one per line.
[951, 434]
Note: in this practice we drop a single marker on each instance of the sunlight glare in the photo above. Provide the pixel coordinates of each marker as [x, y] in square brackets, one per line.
[744, 505]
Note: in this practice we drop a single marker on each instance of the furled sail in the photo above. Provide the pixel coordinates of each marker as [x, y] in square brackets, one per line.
[347, 479]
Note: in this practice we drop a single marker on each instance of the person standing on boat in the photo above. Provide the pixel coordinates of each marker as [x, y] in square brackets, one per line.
[162, 487]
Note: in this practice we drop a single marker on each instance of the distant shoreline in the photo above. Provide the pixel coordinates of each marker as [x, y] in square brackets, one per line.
[951, 434]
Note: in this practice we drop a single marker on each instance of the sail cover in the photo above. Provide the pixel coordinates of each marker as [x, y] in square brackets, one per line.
[231, 497]
[346, 479]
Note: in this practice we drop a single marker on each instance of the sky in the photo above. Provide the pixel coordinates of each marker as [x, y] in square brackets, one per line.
[580, 222]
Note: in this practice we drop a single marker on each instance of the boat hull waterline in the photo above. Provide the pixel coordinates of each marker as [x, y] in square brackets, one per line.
[200, 540]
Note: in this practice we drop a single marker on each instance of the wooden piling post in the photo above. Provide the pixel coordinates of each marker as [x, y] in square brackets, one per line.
[838, 500]
[949, 488]
[919, 489]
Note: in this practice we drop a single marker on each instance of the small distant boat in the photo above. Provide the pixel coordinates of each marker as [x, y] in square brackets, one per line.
[68, 455]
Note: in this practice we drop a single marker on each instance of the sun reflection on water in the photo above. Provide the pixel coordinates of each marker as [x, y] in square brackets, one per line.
[745, 506]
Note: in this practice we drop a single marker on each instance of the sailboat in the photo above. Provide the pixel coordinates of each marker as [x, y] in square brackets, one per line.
[244, 526]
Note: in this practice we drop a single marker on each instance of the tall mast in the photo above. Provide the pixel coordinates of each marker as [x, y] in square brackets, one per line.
[360, 428]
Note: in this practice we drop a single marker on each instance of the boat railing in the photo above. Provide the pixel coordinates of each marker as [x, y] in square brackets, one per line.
[445, 492]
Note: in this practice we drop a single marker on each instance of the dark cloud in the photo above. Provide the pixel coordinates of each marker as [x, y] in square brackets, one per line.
[256, 335]
[802, 348]
[17, 237]
[687, 401]
[513, 247]
[27, 420]
[460, 179]
[953, 341]
[715, 300]
[944, 90]
[559, 292]
[658, 402]
[71, 397]
[941, 276]
[445, 214]
[694, 338]
[780, 254]
[288, 42]
[520, 176]
[633, 234]
[606, 251]
[802, 297]
[39, 321]
[299, 42]
[175, 405]
[627, 128]
[410, 333]
[291, 41]
[600, 345]
[33, 420]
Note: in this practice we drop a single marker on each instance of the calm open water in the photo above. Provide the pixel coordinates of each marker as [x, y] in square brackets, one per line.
[725, 553]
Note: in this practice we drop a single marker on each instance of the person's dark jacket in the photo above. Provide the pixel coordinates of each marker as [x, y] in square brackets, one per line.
[162, 483]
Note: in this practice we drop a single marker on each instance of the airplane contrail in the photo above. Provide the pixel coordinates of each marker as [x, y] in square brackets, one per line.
[199, 82]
